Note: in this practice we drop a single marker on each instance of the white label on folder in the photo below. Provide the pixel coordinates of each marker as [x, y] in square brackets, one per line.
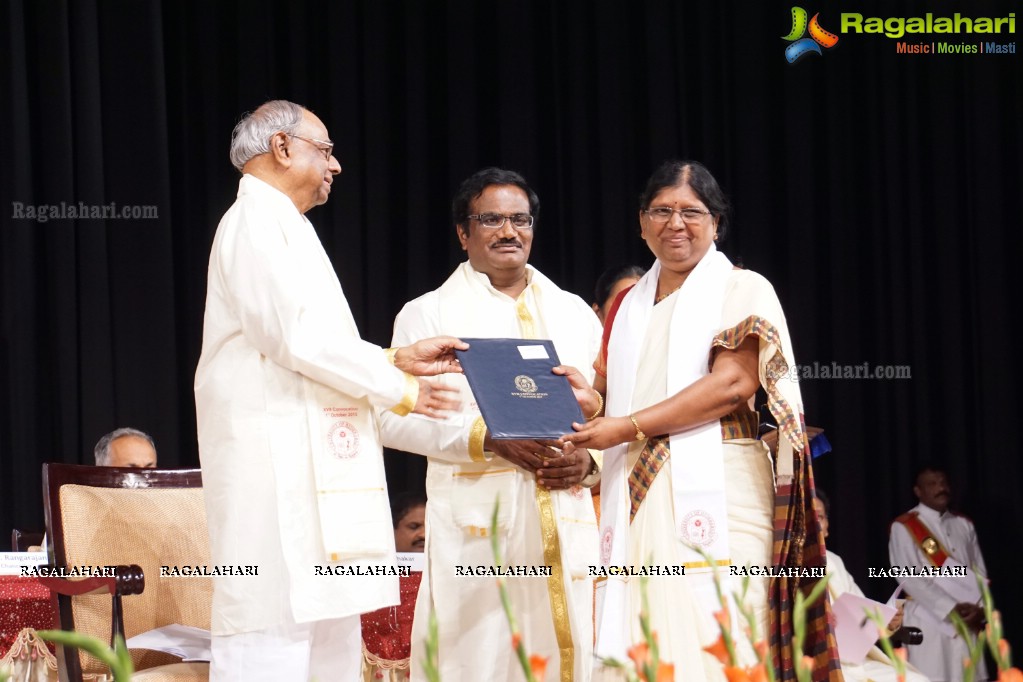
[533, 352]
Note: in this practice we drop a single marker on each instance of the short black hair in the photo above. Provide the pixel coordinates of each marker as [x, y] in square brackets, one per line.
[696, 176]
[404, 502]
[612, 276]
[474, 185]
[928, 467]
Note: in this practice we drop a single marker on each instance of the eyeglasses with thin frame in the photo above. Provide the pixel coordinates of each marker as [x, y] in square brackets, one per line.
[495, 221]
[327, 152]
[690, 215]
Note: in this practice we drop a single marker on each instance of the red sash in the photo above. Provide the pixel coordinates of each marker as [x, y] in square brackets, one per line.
[924, 538]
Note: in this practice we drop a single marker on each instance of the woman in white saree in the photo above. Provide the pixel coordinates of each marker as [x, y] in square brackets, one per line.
[684, 351]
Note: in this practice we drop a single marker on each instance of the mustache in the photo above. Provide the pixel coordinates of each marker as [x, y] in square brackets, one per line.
[511, 241]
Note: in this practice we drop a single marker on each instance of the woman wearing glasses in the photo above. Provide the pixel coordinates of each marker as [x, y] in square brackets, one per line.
[685, 480]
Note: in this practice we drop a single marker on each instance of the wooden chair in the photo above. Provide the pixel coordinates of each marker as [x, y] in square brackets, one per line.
[137, 520]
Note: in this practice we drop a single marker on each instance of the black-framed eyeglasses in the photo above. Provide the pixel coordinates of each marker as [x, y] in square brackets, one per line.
[494, 221]
[327, 150]
[690, 215]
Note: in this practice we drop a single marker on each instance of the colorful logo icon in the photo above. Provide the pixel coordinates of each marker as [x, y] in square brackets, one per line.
[801, 46]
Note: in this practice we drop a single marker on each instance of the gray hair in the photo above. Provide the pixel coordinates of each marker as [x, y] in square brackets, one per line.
[251, 137]
[102, 449]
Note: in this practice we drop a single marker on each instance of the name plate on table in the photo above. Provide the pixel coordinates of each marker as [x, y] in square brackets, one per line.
[414, 560]
[513, 385]
[12, 562]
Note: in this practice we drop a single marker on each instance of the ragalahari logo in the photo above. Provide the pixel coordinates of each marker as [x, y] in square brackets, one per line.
[801, 46]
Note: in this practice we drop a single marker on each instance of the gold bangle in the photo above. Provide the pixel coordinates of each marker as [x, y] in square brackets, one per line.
[639, 432]
[600, 406]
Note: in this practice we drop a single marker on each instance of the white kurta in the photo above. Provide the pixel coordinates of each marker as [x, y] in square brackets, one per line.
[284, 379]
[555, 617]
[875, 667]
[940, 655]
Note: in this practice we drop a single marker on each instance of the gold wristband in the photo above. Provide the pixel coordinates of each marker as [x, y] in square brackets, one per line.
[639, 432]
[600, 406]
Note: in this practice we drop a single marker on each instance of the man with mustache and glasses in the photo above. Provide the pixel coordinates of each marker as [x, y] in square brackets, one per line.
[546, 517]
[931, 537]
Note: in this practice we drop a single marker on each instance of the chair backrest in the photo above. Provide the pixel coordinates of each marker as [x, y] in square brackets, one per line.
[99, 516]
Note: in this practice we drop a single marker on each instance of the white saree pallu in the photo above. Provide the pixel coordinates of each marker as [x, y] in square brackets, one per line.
[698, 484]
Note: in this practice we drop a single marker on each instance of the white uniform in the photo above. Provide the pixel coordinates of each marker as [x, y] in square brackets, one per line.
[286, 399]
[536, 527]
[940, 655]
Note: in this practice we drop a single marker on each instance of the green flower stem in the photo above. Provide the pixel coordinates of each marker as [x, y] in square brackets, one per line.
[118, 659]
[886, 643]
[520, 648]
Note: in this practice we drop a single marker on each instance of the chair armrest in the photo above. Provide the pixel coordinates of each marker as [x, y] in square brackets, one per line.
[126, 580]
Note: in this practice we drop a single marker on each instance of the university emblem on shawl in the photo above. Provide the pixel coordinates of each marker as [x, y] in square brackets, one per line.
[697, 528]
[344, 440]
[606, 540]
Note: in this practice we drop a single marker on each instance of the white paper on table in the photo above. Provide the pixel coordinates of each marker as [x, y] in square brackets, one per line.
[854, 631]
[184, 641]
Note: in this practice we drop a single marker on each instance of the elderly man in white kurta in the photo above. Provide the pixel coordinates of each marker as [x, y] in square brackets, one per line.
[287, 399]
[930, 536]
[546, 516]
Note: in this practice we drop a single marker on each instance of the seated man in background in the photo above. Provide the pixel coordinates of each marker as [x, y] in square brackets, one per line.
[123, 447]
[387, 632]
[126, 447]
[408, 511]
[876, 666]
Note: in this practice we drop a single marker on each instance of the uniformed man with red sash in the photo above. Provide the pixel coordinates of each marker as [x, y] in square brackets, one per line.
[931, 536]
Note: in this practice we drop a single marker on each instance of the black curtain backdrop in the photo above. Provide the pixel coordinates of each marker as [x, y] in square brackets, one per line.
[879, 192]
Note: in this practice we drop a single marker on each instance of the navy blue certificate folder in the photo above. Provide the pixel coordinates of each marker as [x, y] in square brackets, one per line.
[513, 385]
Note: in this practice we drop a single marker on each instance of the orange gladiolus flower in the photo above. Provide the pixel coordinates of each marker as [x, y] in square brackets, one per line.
[758, 673]
[665, 672]
[736, 674]
[516, 640]
[1010, 675]
[718, 650]
[723, 618]
[901, 653]
[807, 663]
[1003, 648]
[538, 664]
[640, 655]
